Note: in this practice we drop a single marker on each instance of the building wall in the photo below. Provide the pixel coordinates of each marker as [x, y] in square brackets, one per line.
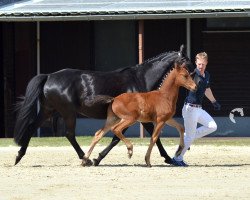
[2, 126]
[163, 36]
[65, 45]
[19, 66]
[92, 45]
[115, 45]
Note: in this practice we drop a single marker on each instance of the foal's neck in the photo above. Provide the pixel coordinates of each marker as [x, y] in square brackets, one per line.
[169, 86]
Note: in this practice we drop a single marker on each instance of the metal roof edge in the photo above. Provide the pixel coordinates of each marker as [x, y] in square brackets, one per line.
[131, 16]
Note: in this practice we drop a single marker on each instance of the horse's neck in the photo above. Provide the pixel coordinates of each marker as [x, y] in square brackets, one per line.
[169, 87]
[153, 73]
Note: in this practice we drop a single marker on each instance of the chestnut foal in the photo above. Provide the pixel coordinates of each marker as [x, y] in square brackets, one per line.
[157, 106]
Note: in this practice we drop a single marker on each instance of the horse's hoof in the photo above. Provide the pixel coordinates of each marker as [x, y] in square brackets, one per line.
[87, 162]
[18, 158]
[168, 161]
[96, 162]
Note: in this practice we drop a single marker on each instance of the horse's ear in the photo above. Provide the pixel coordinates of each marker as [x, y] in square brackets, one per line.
[183, 50]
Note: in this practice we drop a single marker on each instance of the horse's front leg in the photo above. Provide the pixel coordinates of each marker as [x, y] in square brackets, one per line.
[105, 152]
[150, 128]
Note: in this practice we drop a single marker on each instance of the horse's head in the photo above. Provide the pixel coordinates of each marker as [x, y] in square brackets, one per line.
[183, 77]
[155, 70]
[183, 58]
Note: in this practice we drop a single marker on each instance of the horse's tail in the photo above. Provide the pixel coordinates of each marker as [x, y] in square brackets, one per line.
[27, 110]
[99, 99]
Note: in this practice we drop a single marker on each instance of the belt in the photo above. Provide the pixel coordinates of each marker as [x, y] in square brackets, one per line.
[194, 105]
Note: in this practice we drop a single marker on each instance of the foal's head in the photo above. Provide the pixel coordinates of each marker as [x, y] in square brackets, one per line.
[183, 77]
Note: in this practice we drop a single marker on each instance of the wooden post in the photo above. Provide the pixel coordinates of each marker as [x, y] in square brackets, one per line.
[141, 41]
[141, 58]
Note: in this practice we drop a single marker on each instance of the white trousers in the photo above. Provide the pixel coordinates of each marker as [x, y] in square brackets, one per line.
[192, 116]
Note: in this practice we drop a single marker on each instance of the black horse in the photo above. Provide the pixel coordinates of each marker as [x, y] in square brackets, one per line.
[71, 91]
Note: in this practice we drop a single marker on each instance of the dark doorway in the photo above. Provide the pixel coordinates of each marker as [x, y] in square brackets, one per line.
[162, 36]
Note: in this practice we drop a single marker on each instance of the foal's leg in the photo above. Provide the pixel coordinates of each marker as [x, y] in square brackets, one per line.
[118, 128]
[103, 154]
[150, 128]
[180, 128]
[98, 135]
[153, 140]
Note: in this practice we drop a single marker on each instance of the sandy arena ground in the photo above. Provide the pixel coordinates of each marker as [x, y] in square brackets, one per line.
[55, 173]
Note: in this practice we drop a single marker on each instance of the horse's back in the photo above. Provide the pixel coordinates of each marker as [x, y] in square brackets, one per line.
[75, 88]
[61, 87]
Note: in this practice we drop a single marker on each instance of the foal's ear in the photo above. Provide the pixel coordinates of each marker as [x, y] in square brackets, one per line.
[177, 66]
[183, 65]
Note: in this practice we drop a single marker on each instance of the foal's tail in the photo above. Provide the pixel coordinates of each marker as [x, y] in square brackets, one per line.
[99, 99]
[27, 110]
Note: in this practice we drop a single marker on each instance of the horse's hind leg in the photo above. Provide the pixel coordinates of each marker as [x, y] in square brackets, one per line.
[70, 122]
[180, 128]
[41, 117]
[22, 152]
[150, 128]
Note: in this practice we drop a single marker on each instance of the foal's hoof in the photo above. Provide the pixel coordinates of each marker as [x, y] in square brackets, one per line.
[149, 165]
[179, 150]
[130, 153]
[148, 162]
[96, 162]
[86, 162]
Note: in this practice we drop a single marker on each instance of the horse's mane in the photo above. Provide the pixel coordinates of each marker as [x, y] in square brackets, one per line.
[159, 57]
[162, 56]
[124, 69]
